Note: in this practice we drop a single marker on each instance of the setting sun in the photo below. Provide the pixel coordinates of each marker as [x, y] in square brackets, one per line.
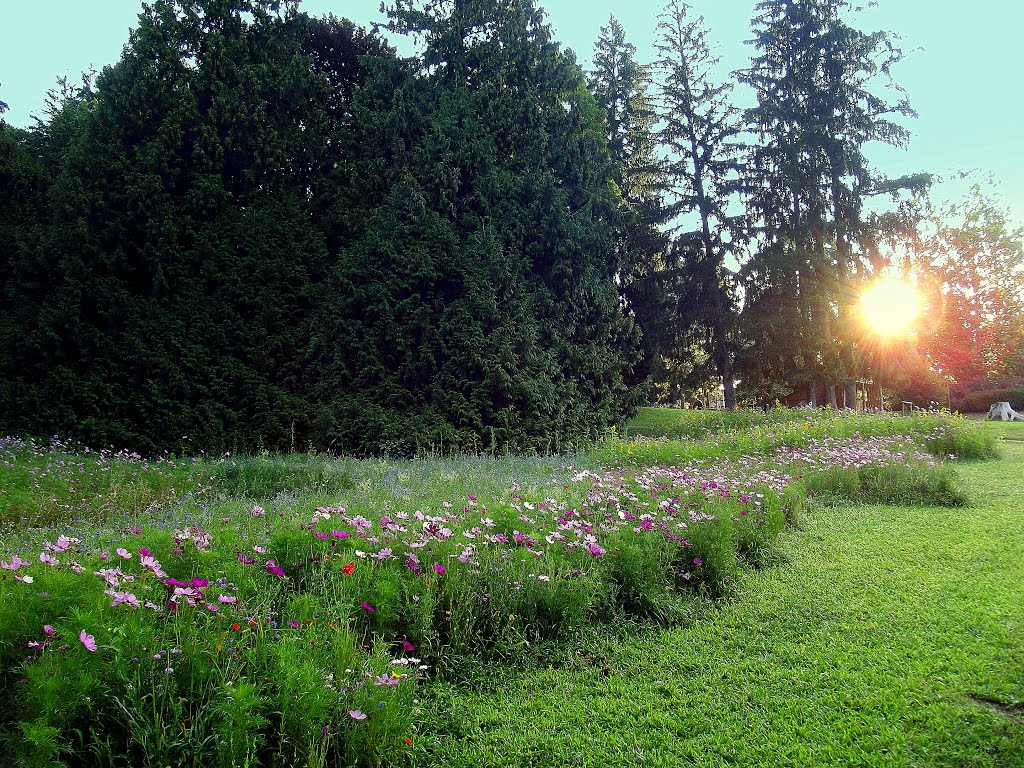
[890, 306]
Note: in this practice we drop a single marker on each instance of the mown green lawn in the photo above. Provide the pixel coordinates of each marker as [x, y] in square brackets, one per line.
[886, 636]
[1008, 430]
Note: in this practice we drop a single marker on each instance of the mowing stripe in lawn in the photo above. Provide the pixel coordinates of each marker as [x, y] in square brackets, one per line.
[884, 636]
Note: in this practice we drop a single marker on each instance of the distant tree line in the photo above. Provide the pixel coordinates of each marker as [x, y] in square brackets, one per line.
[261, 229]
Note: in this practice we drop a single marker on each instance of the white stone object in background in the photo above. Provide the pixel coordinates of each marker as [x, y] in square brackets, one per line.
[1003, 412]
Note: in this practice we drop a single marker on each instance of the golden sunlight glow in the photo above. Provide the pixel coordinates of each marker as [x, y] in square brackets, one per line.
[890, 306]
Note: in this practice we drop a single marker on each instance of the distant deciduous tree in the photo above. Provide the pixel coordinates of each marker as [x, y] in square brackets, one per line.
[972, 260]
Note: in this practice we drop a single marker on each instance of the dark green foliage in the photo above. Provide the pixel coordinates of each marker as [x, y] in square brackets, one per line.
[622, 91]
[260, 230]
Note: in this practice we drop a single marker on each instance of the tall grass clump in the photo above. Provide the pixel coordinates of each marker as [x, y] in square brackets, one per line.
[43, 483]
[265, 476]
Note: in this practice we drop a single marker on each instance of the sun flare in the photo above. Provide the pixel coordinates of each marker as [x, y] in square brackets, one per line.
[890, 306]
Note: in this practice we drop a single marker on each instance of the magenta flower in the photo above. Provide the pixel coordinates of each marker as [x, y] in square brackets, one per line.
[355, 714]
[145, 552]
[439, 569]
[200, 583]
[88, 641]
[274, 569]
[698, 561]
[48, 630]
[125, 597]
[340, 534]
[408, 646]
[367, 607]
[294, 624]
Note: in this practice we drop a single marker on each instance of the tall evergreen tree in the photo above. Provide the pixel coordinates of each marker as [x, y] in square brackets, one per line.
[813, 77]
[621, 88]
[700, 128]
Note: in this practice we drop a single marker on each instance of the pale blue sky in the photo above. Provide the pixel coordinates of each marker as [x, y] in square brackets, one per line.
[964, 75]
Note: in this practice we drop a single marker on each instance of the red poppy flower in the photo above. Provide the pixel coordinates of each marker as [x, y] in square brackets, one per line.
[349, 568]
[236, 627]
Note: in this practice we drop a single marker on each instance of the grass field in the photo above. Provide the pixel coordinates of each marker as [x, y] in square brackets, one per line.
[565, 610]
[884, 636]
[1007, 430]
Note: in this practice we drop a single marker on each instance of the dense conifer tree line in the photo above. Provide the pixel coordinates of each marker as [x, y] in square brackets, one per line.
[261, 229]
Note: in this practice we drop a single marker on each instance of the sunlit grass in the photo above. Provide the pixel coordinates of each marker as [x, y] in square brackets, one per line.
[884, 636]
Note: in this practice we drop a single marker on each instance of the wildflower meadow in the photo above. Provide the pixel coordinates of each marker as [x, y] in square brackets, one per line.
[291, 610]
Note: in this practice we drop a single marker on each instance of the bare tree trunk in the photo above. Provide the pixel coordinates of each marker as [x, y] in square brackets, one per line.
[723, 360]
[812, 394]
[830, 393]
[850, 395]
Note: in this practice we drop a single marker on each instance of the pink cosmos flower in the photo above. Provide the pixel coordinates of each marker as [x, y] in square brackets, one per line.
[154, 565]
[408, 646]
[439, 569]
[698, 561]
[88, 641]
[48, 630]
[48, 559]
[367, 607]
[355, 714]
[122, 552]
[145, 552]
[125, 598]
[227, 599]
